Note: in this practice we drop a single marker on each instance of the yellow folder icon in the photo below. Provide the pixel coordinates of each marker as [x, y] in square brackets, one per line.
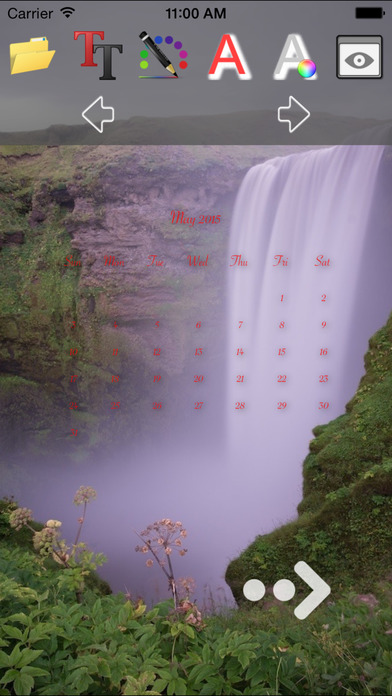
[30, 55]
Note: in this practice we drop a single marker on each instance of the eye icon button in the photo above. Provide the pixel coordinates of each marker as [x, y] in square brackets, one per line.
[359, 60]
[359, 57]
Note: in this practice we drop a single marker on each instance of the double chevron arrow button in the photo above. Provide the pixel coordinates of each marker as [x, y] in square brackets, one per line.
[320, 590]
[254, 590]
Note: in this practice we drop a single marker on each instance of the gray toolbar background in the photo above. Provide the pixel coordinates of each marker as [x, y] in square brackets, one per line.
[37, 100]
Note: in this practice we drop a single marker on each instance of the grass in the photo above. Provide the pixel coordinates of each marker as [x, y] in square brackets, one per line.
[114, 646]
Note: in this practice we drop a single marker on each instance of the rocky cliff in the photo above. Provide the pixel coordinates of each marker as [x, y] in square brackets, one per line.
[64, 211]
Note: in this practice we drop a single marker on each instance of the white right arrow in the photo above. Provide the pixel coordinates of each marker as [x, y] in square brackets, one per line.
[320, 590]
[299, 107]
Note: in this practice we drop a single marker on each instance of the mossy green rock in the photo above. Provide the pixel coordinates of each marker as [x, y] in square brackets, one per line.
[344, 528]
[9, 329]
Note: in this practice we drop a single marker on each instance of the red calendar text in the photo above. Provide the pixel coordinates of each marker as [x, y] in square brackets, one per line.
[178, 218]
[71, 262]
[112, 261]
[322, 261]
[237, 260]
[154, 261]
[282, 260]
[197, 261]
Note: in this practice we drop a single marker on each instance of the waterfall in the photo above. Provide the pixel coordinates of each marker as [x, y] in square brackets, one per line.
[311, 211]
[334, 203]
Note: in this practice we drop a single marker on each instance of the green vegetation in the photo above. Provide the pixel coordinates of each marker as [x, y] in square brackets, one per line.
[344, 528]
[107, 644]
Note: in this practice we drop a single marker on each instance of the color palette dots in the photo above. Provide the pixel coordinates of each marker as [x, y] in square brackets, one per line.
[306, 68]
[150, 61]
[144, 63]
[183, 64]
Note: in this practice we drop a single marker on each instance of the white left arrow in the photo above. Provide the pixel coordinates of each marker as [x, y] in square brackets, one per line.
[102, 120]
[320, 590]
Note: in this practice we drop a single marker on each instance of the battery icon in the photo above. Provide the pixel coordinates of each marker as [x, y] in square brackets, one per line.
[369, 12]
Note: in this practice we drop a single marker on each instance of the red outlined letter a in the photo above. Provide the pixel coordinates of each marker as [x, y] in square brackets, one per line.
[229, 55]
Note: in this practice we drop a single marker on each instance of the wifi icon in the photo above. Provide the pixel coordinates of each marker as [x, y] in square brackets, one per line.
[67, 11]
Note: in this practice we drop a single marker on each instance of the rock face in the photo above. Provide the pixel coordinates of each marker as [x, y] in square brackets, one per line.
[78, 225]
[344, 527]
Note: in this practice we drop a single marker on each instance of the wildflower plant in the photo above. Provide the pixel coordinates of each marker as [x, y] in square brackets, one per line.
[20, 518]
[162, 539]
[77, 560]
[186, 588]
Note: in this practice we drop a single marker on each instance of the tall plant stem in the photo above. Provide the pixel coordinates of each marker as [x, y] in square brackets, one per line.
[80, 524]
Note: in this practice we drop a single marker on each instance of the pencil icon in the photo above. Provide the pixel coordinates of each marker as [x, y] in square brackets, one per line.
[157, 52]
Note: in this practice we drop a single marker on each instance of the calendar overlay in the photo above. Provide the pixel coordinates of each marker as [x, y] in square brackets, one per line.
[189, 315]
